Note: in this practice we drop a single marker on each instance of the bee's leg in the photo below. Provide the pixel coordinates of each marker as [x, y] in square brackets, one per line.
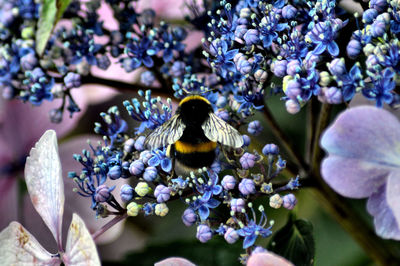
[171, 154]
[226, 155]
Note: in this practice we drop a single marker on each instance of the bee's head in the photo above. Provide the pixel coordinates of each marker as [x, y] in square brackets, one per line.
[194, 109]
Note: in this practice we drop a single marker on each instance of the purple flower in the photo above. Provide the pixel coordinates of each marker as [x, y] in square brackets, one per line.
[248, 160]
[289, 201]
[204, 233]
[126, 193]
[150, 174]
[162, 193]
[189, 217]
[279, 68]
[270, 149]
[147, 78]
[251, 37]
[231, 236]
[136, 167]
[369, 15]
[289, 12]
[139, 144]
[254, 128]
[103, 193]
[160, 158]
[247, 187]
[364, 162]
[228, 182]
[292, 106]
[353, 49]
[237, 205]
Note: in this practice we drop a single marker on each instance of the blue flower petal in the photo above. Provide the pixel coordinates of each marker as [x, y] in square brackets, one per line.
[166, 165]
[204, 212]
[249, 240]
[333, 48]
[154, 161]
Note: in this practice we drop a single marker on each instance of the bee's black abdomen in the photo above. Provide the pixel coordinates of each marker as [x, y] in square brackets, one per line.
[196, 159]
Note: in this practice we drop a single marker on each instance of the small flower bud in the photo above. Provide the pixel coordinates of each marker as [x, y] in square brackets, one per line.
[289, 12]
[136, 167]
[114, 172]
[254, 128]
[145, 156]
[228, 182]
[275, 201]
[292, 106]
[289, 201]
[133, 209]
[251, 37]
[237, 205]
[126, 193]
[129, 145]
[293, 67]
[261, 75]
[204, 233]
[247, 160]
[246, 140]
[162, 193]
[147, 78]
[247, 187]
[231, 236]
[279, 68]
[270, 149]
[139, 144]
[150, 174]
[189, 217]
[161, 209]
[102, 193]
[142, 188]
[72, 80]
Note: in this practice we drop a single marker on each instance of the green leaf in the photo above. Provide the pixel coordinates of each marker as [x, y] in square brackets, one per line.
[46, 22]
[61, 6]
[295, 242]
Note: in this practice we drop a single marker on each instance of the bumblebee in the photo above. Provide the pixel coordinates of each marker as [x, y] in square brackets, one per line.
[192, 135]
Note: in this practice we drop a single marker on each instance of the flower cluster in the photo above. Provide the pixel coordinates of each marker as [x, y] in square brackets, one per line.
[257, 40]
[232, 182]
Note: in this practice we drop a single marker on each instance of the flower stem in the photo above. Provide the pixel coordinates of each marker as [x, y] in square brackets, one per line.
[108, 225]
[323, 120]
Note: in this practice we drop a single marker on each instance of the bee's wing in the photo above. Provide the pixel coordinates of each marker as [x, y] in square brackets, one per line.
[167, 133]
[218, 130]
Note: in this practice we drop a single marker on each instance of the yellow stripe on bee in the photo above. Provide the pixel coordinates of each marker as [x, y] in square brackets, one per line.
[184, 147]
[193, 97]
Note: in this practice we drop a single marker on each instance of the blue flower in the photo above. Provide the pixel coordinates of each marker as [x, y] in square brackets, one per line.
[251, 231]
[381, 91]
[269, 28]
[223, 57]
[160, 158]
[203, 207]
[168, 44]
[323, 35]
[210, 188]
[140, 52]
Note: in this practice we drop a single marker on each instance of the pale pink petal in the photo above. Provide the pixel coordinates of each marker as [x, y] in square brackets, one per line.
[165, 8]
[267, 259]
[80, 248]
[174, 261]
[43, 178]
[96, 94]
[19, 247]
